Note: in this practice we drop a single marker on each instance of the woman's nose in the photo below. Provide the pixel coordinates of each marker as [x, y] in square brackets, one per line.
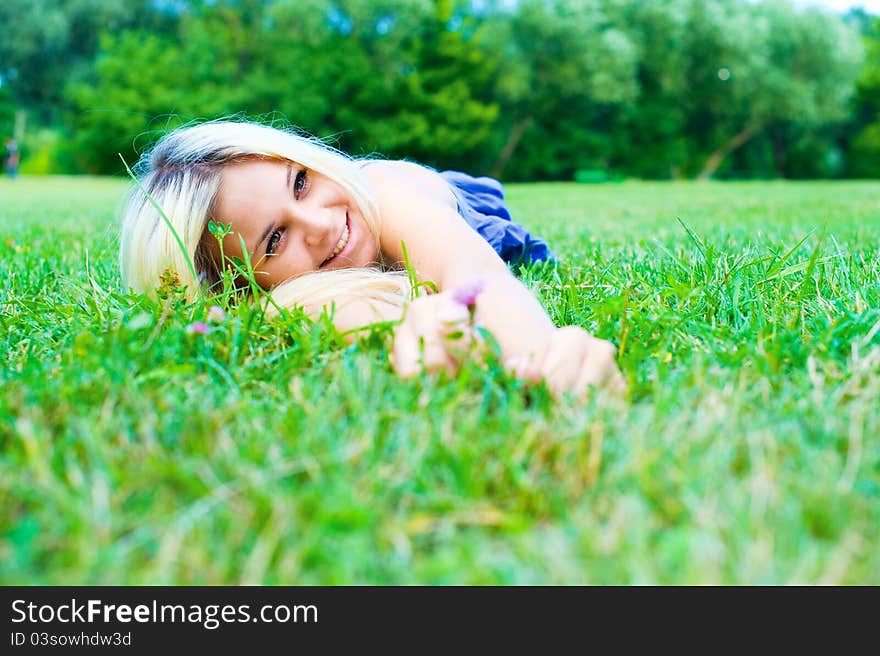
[316, 227]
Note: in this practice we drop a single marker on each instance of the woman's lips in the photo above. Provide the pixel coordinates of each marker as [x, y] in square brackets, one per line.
[347, 245]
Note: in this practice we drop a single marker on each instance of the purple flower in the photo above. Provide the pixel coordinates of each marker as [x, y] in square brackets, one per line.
[216, 314]
[467, 293]
[199, 327]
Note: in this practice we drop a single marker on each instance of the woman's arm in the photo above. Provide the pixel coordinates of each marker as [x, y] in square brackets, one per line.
[442, 248]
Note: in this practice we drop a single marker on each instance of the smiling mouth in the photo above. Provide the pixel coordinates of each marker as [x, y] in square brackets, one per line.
[341, 244]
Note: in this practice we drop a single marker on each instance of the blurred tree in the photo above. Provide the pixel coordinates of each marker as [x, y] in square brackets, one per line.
[762, 66]
[649, 137]
[409, 79]
[401, 76]
[533, 89]
[566, 68]
[113, 112]
[865, 146]
[7, 114]
[46, 43]
[446, 113]
[144, 83]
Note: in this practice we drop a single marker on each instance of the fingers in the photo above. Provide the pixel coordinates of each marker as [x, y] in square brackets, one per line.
[599, 367]
[573, 361]
[433, 337]
[415, 350]
[437, 333]
[405, 352]
[564, 361]
[451, 322]
[524, 368]
[618, 384]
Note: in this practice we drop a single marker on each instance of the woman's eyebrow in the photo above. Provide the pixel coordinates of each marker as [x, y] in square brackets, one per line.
[269, 227]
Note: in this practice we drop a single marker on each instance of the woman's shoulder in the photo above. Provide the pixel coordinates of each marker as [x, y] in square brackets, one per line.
[387, 174]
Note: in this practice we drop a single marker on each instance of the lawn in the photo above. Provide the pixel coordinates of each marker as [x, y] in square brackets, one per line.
[747, 451]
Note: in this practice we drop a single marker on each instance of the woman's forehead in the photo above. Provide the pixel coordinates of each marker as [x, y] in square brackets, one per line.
[248, 171]
[250, 185]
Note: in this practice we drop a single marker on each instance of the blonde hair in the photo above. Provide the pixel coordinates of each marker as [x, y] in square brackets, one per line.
[181, 176]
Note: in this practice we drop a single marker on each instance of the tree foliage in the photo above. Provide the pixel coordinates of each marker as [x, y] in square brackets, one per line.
[536, 89]
[865, 147]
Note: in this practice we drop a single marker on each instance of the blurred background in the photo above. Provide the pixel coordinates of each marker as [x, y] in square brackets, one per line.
[522, 90]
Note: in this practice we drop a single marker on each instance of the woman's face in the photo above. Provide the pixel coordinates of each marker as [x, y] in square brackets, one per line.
[293, 221]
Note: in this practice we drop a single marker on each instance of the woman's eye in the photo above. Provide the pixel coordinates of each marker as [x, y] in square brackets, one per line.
[272, 244]
[300, 183]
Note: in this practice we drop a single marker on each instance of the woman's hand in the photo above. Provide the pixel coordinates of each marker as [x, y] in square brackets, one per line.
[572, 361]
[437, 332]
[435, 335]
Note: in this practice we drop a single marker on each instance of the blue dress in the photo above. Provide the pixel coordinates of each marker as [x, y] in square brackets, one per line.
[481, 204]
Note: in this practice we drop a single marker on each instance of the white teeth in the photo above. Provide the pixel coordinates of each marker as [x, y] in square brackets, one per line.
[343, 240]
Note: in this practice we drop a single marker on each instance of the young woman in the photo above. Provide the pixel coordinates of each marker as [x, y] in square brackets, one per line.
[322, 229]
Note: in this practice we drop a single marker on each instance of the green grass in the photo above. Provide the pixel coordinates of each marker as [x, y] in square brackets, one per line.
[748, 451]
